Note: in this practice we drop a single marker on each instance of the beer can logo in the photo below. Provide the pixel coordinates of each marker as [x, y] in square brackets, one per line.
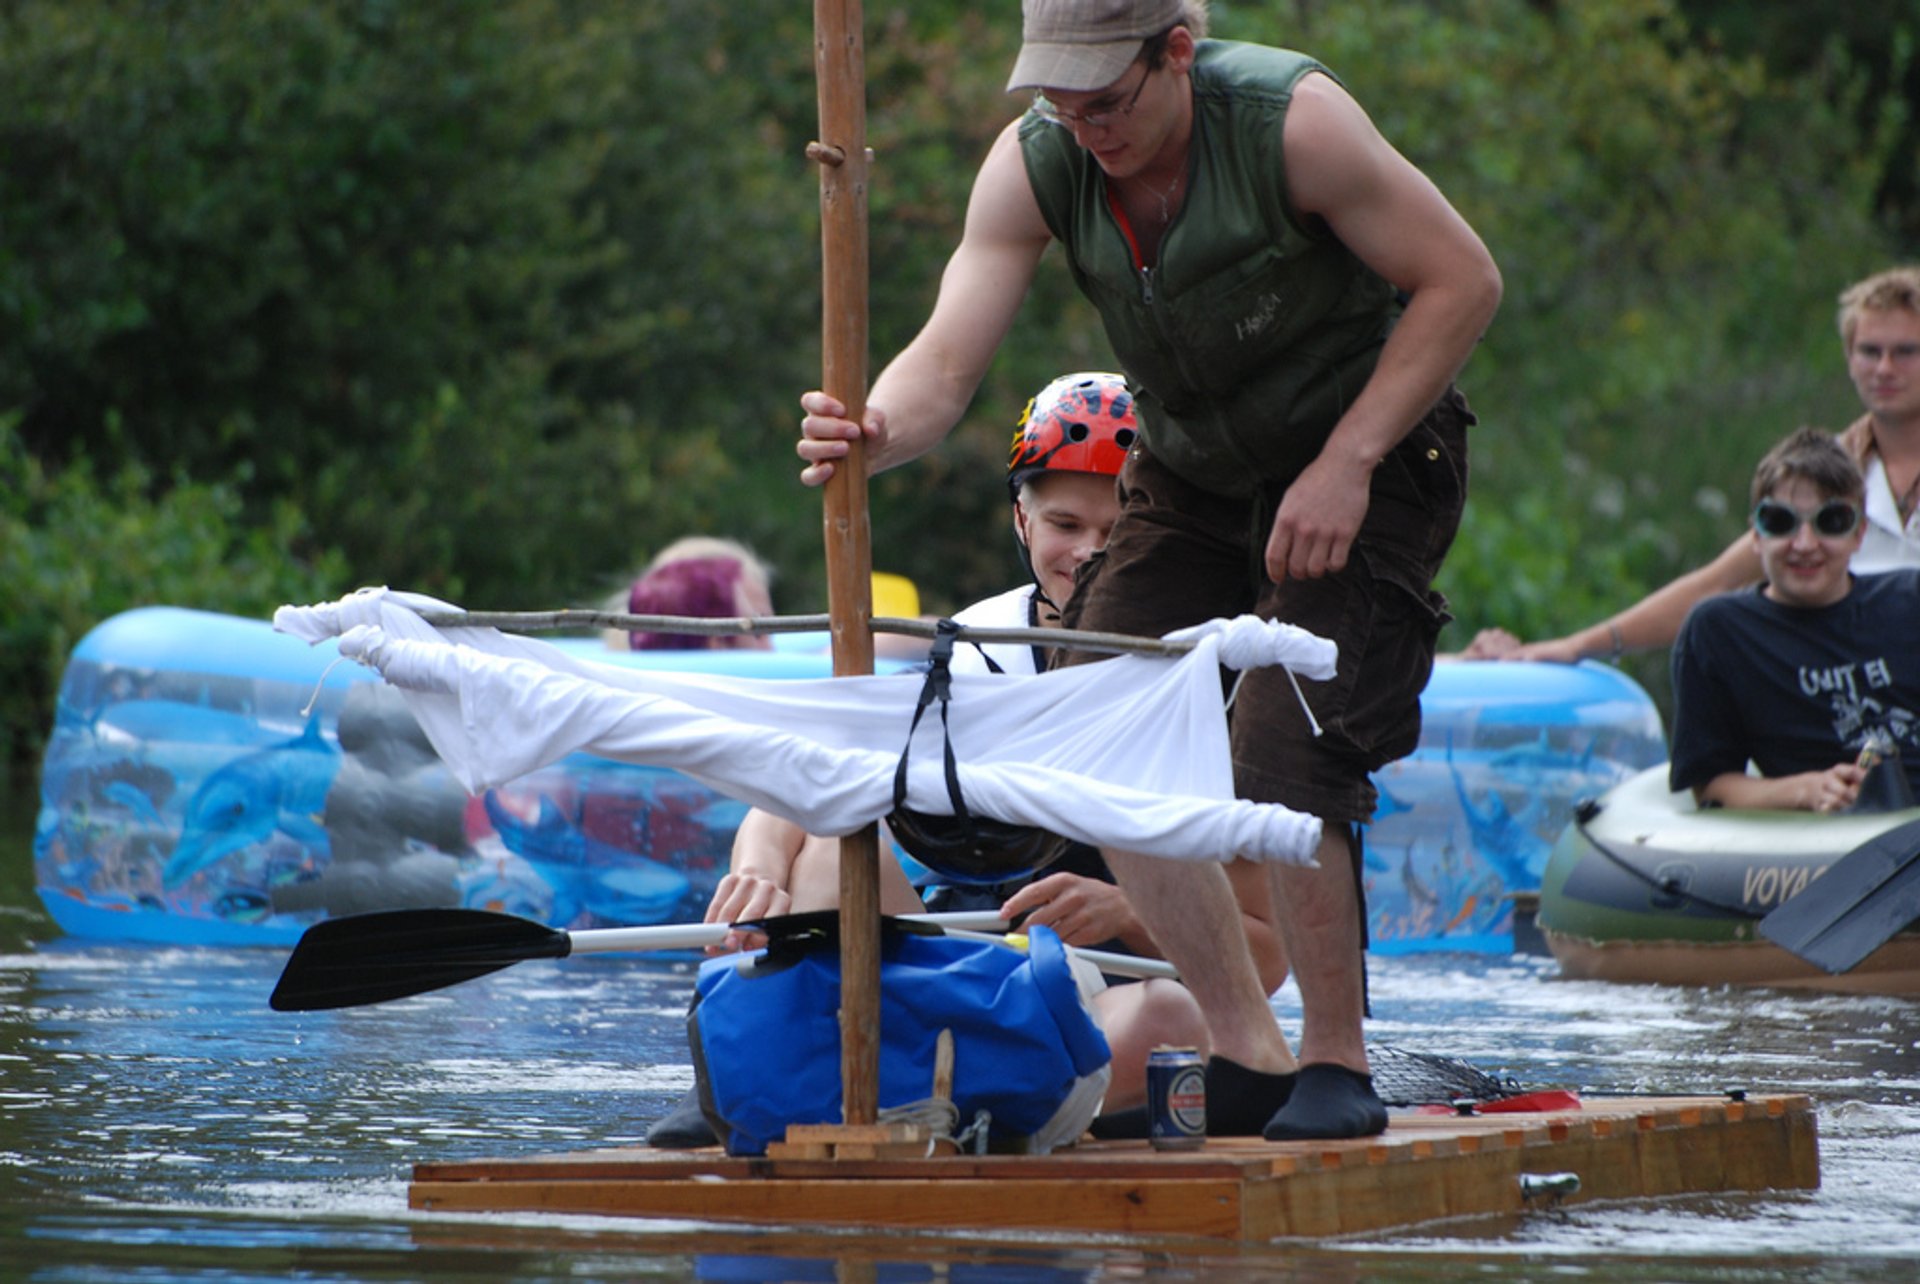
[1187, 1101]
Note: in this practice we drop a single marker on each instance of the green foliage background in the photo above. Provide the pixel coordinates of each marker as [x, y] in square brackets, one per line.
[493, 300]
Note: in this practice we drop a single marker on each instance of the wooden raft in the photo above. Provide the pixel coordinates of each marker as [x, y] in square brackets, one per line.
[1425, 1167]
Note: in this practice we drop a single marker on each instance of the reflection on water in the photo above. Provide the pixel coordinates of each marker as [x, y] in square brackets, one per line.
[157, 1121]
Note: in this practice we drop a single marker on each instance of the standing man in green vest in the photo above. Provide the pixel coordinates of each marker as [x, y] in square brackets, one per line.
[1291, 300]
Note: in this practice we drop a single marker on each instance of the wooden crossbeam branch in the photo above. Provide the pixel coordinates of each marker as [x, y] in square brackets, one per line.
[758, 625]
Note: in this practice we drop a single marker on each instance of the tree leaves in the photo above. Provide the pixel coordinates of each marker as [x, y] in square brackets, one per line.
[497, 299]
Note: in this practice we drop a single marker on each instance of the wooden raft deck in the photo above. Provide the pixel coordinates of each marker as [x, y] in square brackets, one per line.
[1424, 1168]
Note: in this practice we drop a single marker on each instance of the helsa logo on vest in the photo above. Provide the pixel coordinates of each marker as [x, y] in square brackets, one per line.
[1265, 310]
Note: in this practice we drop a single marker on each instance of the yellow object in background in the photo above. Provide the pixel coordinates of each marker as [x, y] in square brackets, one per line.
[895, 596]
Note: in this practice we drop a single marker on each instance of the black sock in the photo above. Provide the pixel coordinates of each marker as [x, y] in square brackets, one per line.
[1329, 1102]
[1245, 1099]
[684, 1127]
[1239, 1100]
[1120, 1125]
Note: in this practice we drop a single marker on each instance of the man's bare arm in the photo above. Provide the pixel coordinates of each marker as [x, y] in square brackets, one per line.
[1655, 620]
[1399, 224]
[1832, 790]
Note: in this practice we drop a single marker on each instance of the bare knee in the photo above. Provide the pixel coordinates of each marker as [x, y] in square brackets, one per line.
[1170, 1013]
[1139, 1018]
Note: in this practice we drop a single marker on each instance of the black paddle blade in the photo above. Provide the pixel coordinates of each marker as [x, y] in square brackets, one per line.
[1854, 908]
[371, 958]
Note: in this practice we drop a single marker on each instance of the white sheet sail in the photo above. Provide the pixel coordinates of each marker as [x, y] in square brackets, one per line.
[1130, 753]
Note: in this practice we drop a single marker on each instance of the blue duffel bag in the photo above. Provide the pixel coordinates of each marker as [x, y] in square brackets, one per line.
[765, 1034]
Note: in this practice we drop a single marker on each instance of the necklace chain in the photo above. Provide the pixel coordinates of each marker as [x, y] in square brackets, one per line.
[1166, 200]
[1904, 501]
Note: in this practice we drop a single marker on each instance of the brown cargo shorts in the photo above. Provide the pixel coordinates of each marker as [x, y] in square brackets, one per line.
[1180, 555]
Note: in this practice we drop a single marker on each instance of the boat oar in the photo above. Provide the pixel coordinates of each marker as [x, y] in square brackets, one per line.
[359, 959]
[1850, 911]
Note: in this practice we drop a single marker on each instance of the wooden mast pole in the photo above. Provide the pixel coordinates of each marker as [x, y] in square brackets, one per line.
[841, 152]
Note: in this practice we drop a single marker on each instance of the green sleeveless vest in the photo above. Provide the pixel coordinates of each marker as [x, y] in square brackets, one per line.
[1254, 332]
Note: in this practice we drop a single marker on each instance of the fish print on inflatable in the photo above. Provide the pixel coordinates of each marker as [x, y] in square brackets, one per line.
[1469, 819]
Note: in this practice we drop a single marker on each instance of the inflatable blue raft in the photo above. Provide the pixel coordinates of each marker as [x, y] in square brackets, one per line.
[210, 781]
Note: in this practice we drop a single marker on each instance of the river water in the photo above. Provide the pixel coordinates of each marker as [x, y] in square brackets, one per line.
[158, 1122]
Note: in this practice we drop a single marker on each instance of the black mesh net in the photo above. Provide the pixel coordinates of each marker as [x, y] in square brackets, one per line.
[1403, 1078]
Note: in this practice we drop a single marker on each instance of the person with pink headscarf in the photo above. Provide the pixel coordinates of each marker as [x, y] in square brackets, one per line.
[706, 577]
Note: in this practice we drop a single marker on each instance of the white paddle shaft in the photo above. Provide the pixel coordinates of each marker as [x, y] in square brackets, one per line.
[697, 936]
[981, 925]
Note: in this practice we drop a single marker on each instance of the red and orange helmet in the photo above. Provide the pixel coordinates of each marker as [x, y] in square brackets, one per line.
[1079, 423]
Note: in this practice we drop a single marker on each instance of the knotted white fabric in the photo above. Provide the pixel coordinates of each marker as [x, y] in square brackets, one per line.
[1130, 753]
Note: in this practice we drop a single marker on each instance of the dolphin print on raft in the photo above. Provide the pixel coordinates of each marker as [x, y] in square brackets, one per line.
[282, 788]
[1151, 773]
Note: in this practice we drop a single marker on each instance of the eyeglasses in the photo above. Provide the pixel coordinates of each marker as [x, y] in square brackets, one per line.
[1094, 119]
[1832, 520]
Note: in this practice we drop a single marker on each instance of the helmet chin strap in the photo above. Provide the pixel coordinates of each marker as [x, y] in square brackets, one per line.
[1041, 602]
[1039, 588]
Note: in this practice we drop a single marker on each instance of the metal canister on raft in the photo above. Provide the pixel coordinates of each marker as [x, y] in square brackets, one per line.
[1176, 1098]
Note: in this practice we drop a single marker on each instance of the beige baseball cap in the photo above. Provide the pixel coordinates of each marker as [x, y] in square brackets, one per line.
[1081, 45]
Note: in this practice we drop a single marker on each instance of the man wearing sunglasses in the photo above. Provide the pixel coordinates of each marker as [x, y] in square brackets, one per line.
[1290, 300]
[1880, 330]
[1814, 672]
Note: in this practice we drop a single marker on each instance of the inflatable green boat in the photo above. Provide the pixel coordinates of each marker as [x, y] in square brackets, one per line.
[1644, 886]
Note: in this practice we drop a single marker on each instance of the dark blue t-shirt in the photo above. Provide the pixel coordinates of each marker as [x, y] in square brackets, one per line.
[1797, 689]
